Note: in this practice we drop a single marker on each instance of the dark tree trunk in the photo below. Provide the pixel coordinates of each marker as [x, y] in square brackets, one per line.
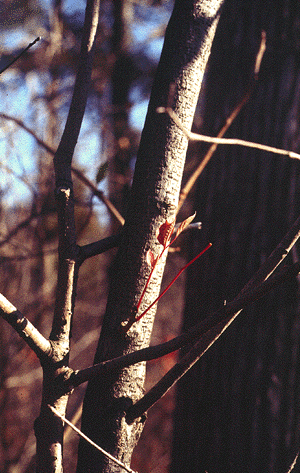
[238, 409]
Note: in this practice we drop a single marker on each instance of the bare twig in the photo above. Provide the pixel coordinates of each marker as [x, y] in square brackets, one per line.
[276, 257]
[190, 183]
[231, 310]
[205, 342]
[98, 247]
[21, 54]
[105, 453]
[225, 141]
[40, 345]
[76, 417]
[19, 227]
[17, 176]
[294, 463]
[100, 195]
[260, 54]
[256, 283]
[114, 212]
[22, 125]
[28, 256]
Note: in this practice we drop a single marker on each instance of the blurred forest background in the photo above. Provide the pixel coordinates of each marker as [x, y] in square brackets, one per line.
[238, 409]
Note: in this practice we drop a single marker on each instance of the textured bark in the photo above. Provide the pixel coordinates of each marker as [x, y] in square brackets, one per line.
[238, 409]
[154, 199]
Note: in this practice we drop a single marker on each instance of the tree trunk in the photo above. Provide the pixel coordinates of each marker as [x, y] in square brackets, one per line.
[154, 200]
[238, 409]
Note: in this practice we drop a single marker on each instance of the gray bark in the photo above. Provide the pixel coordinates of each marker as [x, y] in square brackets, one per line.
[154, 199]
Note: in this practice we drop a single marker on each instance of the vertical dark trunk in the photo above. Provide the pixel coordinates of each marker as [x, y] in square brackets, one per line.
[123, 75]
[238, 409]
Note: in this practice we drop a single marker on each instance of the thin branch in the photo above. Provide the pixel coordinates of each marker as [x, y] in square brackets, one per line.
[190, 183]
[67, 248]
[205, 342]
[276, 257]
[40, 254]
[256, 283]
[254, 289]
[112, 209]
[17, 176]
[260, 54]
[172, 282]
[98, 247]
[232, 309]
[19, 227]
[100, 195]
[67, 274]
[21, 124]
[294, 463]
[104, 452]
[21, 54]
[245, 99]
[64, 153]
[225, 141]
[76, 417]
[34, 339]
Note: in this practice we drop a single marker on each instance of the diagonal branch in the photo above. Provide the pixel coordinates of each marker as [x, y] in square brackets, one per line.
[231, 310]
[34, 339]
[87, 439]
[98, 247]
[100, 195]
[21, 54]
[257, 287]
[112, 209]
[220, 322]
[24, 224]
[245, 99]
[198, 171]
[224, 141]
[22, 125]
[207, 340]
[294, 462]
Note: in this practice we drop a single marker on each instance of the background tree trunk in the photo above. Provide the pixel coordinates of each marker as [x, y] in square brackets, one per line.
[154, 199]
[238, 408]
